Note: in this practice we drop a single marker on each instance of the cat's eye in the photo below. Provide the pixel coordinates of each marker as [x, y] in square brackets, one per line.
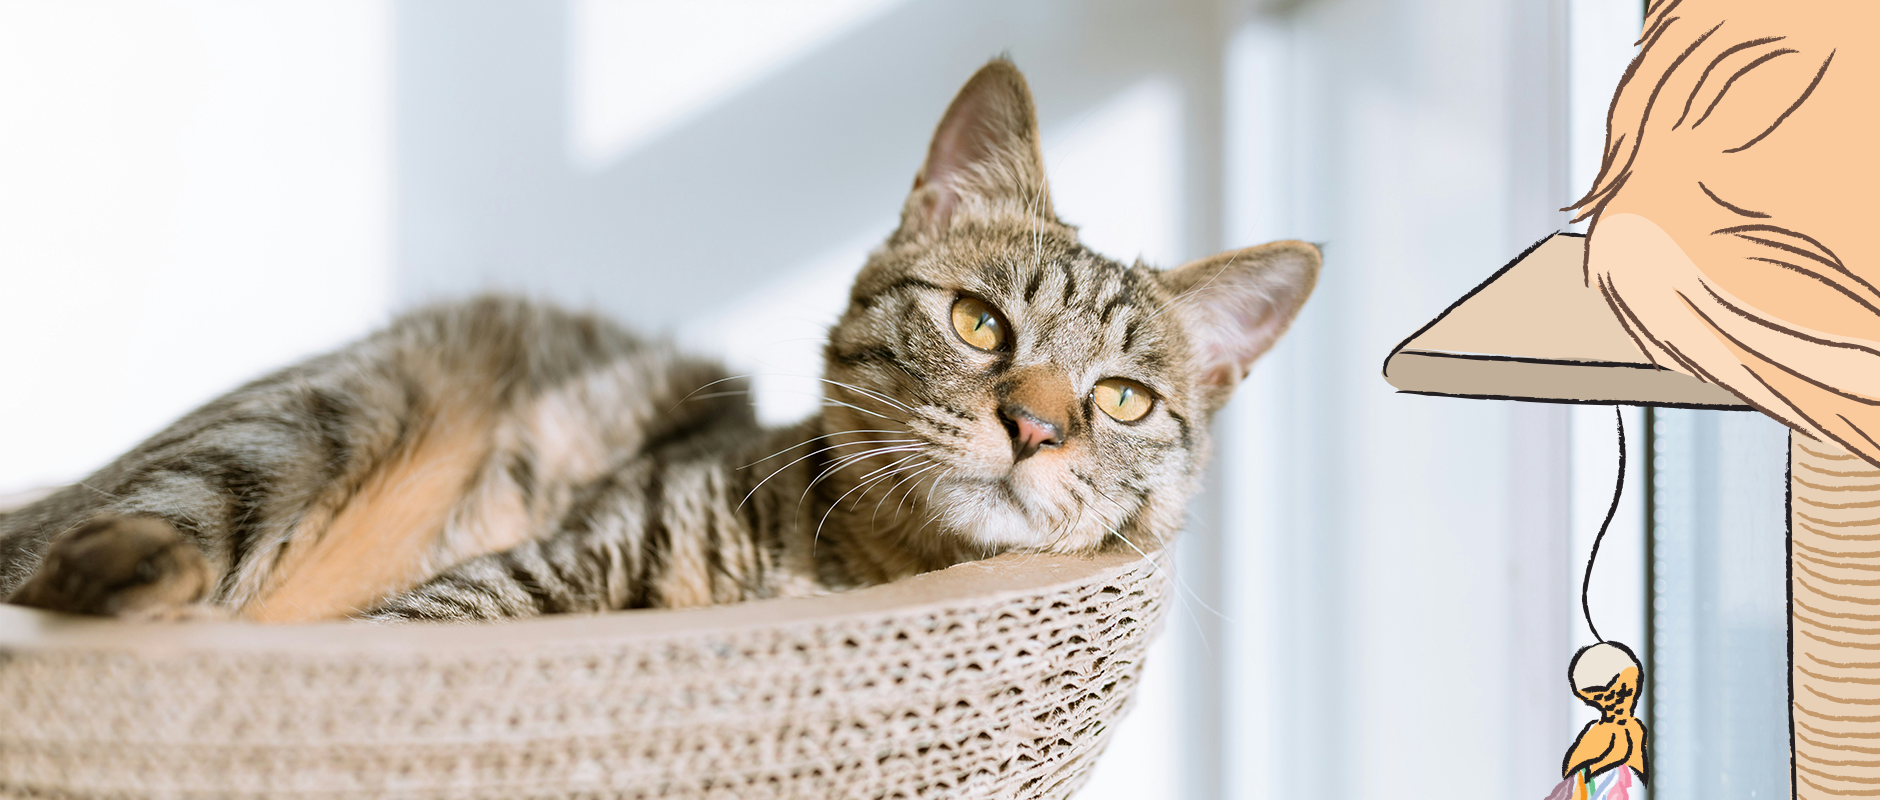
[1123, 400]
[977, 324]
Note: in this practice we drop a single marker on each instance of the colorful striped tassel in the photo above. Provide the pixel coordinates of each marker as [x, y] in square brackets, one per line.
[1613, 784]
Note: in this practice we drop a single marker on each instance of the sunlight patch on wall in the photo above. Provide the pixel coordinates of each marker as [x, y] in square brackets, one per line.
[631, 79]
[774, 333]
[1116, 173]
[193, 194]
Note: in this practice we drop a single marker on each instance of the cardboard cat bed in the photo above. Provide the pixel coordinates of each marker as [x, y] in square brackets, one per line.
[999, 678]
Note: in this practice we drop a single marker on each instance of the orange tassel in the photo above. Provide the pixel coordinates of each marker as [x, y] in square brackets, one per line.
[1607, 677]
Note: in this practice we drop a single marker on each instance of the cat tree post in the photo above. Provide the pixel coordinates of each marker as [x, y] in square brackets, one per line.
[1535, 332]
[1834, 614]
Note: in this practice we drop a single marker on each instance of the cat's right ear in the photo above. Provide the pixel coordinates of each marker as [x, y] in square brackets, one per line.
[1235, 306]
[984, 160]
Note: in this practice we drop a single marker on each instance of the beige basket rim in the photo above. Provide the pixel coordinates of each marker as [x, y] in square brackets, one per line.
[996, 678]
[977, 582]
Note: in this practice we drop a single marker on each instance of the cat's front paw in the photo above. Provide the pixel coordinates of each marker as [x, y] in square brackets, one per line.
[122, 567]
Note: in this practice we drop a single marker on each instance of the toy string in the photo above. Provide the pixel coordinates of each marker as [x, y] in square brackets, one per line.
[1618, 490]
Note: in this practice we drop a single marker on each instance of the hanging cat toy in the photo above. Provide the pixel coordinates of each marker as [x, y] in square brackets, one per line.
[1609, 757]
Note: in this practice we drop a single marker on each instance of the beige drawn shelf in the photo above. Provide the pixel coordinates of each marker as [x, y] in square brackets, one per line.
[1535, 331]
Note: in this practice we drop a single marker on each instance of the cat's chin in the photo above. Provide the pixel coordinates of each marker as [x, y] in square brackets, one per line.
[989, 513]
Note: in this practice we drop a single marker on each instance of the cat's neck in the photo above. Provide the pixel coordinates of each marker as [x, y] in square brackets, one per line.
[829, 504]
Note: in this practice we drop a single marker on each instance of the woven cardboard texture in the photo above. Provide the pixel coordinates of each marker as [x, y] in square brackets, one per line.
[996, 679]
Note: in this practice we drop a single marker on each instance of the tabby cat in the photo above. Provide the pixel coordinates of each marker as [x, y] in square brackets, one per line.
[992, 386]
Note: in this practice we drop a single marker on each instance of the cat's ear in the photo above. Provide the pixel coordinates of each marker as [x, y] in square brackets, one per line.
[984, 159]
[1235, 306]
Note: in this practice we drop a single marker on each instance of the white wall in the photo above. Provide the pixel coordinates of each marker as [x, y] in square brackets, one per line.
[190, 193]
[1399, 561]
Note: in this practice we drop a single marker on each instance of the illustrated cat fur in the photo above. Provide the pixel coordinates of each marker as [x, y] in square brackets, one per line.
[993, 385]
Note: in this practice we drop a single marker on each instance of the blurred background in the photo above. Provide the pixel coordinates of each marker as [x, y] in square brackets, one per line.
[1379, 592]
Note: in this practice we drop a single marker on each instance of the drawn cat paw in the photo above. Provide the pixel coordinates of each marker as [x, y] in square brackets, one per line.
[122, 567]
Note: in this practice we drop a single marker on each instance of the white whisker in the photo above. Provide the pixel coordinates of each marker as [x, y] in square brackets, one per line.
[1197, 290]
[859, 408]
[870, 393]
[780, 470]
[832, 506]
[100, 491]
[1200, 632]
[688, 396]
[849, 460]
[888, 468]
[932, 479]
[814, 438]
[898, 484]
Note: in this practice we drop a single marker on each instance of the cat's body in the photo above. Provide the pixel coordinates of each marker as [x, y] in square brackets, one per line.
[565, 447]
[993, 385]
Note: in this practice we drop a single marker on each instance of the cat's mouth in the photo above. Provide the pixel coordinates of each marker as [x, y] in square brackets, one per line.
[985, 496]
[996, 511]
[1007, 491]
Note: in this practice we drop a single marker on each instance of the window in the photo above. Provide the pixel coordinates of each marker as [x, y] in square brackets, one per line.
[1720, 614]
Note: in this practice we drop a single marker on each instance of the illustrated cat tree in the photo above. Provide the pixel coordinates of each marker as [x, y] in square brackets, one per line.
[1536, 332]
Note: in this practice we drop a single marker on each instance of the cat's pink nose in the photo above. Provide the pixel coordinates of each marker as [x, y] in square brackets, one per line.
[1029, 432]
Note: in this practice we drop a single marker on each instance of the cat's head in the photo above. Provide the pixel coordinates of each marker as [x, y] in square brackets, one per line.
[1025, 391]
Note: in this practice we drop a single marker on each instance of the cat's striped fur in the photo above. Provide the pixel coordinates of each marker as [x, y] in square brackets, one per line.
[499, 458]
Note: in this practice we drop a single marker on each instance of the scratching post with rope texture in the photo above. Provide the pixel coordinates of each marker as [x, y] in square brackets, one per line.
[1834, 606]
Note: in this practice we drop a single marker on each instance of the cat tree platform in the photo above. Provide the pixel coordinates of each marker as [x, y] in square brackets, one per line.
[1534, 331]
[999, 678]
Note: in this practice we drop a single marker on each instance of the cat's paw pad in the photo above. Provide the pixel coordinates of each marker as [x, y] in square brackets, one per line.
[122, 567]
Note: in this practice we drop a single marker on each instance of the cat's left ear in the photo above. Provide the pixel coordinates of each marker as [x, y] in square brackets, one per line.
[1236, 304]
[984, 160]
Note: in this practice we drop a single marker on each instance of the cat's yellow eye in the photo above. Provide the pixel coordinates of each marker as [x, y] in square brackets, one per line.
[1124, 401]
[977, 324]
